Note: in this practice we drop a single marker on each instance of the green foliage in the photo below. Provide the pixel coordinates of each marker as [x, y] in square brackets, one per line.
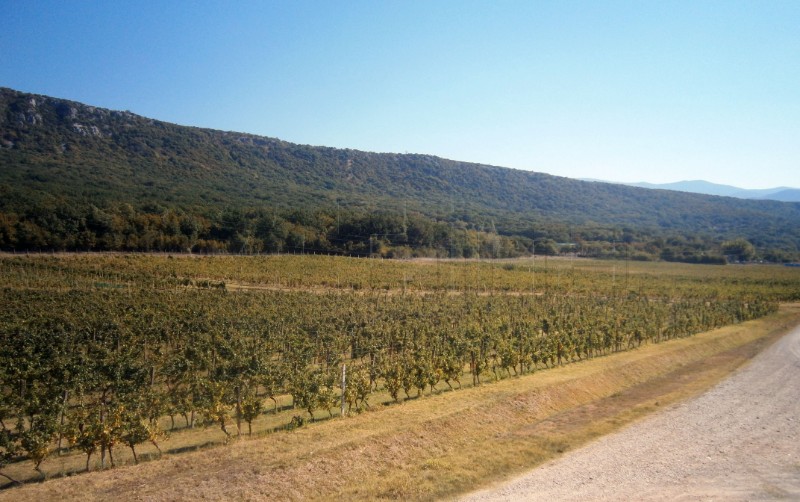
[98, 348]
[74, 177]
[739, 249]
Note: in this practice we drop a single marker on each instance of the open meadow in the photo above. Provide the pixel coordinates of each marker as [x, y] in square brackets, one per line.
[226, 376]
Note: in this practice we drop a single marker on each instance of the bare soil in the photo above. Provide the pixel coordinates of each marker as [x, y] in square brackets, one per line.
[738, 441]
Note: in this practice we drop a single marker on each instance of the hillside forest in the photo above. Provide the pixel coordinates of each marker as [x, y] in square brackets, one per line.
[79, 178]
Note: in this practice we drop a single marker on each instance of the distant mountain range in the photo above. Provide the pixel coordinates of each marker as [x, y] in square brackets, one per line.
[75, 176]
[784, 194]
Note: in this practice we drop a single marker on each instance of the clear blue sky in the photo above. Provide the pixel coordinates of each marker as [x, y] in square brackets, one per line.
[653, 91]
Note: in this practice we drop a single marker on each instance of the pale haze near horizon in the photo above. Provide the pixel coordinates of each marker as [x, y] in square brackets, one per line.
[620, 91]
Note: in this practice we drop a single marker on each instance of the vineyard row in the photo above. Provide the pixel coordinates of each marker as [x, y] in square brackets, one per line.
[96, 369]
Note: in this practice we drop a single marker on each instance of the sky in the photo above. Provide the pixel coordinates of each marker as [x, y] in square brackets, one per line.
[656, 91]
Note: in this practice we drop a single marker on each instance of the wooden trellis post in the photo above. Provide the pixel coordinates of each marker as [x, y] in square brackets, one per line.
[344, 385]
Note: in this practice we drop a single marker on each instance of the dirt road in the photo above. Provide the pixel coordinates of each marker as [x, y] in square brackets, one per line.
[738, 441]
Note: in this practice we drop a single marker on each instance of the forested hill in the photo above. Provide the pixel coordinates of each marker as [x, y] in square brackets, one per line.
[72, 160]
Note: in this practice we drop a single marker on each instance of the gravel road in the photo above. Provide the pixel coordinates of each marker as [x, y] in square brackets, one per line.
[738, 441]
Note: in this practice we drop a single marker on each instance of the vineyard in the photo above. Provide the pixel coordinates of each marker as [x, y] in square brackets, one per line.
[104, 354]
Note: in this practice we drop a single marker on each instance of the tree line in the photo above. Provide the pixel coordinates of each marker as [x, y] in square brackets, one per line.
[58, 226]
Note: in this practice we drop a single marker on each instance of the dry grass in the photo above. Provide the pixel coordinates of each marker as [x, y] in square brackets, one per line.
[437, 447]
